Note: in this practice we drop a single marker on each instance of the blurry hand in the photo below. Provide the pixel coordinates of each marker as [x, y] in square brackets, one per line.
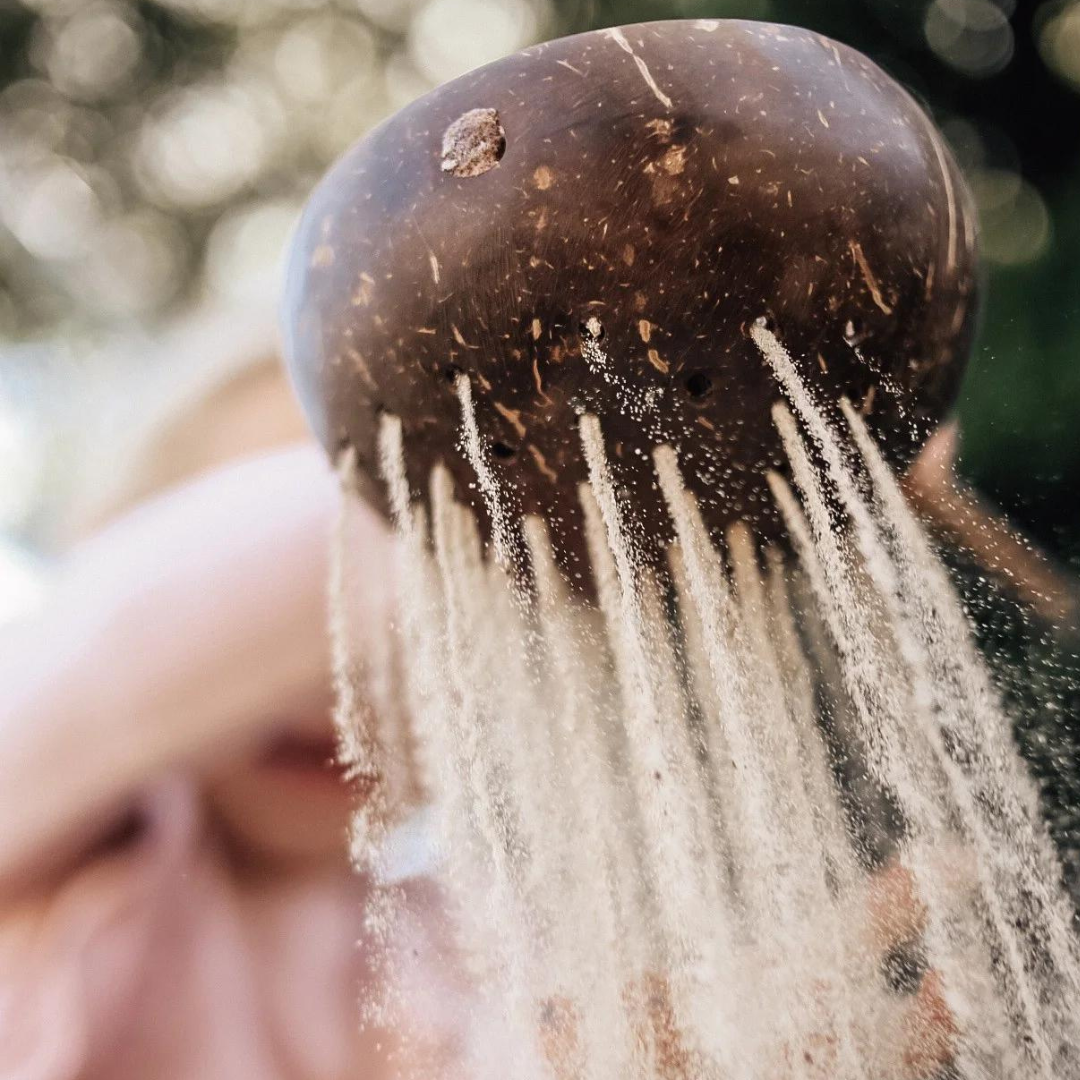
[955, 510]
[183, 628]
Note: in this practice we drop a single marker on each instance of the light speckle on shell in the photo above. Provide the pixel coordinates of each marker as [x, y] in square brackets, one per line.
[474, 143]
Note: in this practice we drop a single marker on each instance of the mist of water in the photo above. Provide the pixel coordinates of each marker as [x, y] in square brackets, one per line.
[749, 815]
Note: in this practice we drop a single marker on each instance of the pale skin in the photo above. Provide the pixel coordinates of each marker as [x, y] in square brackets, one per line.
[957, 512]
[173, 639]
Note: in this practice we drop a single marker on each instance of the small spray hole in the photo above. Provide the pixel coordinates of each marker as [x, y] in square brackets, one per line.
[591, 328]
[451, 372]
[904, 968]
[698, 385]
[502, 451]
[854, 331]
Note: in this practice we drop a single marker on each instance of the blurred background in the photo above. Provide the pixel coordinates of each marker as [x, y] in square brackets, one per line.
[154, 154]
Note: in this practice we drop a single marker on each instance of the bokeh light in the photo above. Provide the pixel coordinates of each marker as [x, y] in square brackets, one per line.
[973, 36]
[93, 53]
[204, 145]
[1059, 38]
[1014, 220]
[244, 252]
[392, 15]
[443, 39]
[53, 209]
[139, 264]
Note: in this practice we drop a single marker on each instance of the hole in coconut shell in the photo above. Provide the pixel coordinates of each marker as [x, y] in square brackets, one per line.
[474, 143]
[502, 451]
[592, 329]
[854, 331]
[698, 385]
[450, 373]
[903, 969]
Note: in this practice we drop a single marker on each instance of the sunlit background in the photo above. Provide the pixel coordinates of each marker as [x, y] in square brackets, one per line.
[154, 153]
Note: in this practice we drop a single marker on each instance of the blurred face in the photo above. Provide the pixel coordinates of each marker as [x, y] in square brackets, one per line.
[275, 792]
[285, 800]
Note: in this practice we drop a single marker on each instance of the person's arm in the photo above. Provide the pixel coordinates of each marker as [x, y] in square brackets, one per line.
[180, 631]
[953, 509]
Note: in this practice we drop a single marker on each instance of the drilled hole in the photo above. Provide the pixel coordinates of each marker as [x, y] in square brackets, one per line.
[474, 143]
[591, 328]
[698, 385]
[451, 372]
[904, 968]
[854, 330]
[502, 451]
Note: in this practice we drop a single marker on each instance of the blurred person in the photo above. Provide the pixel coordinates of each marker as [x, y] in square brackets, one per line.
[176, 898]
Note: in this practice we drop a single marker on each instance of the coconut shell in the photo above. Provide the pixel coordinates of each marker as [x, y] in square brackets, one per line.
[595, 224]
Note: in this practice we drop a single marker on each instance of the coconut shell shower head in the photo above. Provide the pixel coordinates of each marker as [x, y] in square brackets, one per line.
[597, 224]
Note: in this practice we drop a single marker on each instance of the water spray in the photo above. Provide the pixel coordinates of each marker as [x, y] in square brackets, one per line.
[631, 335]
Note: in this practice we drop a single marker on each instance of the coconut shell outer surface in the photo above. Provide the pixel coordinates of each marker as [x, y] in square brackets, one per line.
[595, 223]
